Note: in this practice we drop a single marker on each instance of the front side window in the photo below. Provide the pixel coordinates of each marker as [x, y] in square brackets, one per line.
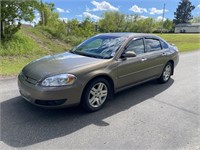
[152, 45]
[101, 46]
[137, 46]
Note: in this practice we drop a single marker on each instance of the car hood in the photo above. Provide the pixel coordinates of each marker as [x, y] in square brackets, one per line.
[57, 64]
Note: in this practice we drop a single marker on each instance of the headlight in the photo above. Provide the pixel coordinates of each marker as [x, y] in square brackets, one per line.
[59, 80]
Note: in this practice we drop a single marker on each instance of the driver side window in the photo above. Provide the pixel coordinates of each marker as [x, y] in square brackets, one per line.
[94, 44]
[136, 46]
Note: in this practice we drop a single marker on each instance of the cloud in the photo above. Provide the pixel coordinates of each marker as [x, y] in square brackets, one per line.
[37, 14]
[159, 18]
[198, 6]
[143, 17]
[137, 9]
[63, 19]
[87, 14]
[60, 10]
[154, 11]
[36, 20]
[67, 11]
[102, 6]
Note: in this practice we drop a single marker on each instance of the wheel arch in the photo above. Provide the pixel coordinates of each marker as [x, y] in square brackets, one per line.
[172, 62]
[104, 76]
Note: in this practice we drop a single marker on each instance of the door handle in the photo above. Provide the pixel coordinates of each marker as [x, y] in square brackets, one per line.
[143, 59]
[164, 54]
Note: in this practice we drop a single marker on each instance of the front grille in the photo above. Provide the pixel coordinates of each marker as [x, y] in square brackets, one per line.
[50, 102]
[28, 79]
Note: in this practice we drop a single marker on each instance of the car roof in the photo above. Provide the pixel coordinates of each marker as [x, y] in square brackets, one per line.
[130, 34]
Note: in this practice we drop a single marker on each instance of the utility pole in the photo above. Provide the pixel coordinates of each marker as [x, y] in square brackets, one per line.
[163, 18]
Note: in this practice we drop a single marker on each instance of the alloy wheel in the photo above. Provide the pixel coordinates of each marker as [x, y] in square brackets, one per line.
[167, 72]
[98, 94]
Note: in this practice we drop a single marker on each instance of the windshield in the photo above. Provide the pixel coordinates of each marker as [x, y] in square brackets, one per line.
[101, 46]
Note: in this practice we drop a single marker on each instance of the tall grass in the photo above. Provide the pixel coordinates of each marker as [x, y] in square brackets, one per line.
[72, 40]
[19, 45]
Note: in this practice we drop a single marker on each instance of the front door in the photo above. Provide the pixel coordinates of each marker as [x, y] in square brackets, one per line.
[132, 70]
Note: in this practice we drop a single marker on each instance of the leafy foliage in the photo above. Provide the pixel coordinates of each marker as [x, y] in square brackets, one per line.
[196, 19]
[183, 12]
[117, 22]
[112, 22]
[12, 12]
[86, 28]
[168, 24]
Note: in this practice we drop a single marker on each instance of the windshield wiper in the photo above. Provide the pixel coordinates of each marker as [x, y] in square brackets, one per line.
[90, 55]
[86, 54]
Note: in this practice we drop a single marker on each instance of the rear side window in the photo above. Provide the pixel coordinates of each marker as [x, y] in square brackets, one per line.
[152, 45]
[164, 45]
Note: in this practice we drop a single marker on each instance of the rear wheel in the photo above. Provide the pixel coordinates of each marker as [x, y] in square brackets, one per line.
[166, 74]
[95, 94]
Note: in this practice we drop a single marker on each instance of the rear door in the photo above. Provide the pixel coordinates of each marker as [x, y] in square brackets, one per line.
[156, 56]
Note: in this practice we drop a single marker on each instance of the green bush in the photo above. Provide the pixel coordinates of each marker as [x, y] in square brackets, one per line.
[74, 40]
[62, 35]
[20, 44]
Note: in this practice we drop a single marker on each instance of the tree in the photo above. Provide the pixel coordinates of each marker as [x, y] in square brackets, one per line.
[112, 22]
[50, 20]
[73, 27]
[183, 12]
[12, 12]
[196, 19]
[87, 28]
[44, 10]
[168, 25]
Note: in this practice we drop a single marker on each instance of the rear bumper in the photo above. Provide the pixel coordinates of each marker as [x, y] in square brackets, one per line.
[54, 97]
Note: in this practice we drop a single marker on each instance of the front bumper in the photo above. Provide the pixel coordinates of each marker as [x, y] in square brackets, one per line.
[50, 96]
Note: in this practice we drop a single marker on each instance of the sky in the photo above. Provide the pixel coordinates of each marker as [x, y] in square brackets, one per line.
[71, 9]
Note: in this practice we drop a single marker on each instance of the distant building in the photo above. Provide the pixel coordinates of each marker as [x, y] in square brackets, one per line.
[26, 26]
[187, 28]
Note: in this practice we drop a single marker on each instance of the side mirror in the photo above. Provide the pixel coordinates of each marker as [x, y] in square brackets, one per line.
[129, 54]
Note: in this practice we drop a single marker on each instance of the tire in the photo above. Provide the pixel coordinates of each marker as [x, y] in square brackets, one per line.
[166, 73]
[95, 94]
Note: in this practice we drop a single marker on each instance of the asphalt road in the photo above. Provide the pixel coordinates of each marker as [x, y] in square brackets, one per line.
[149, 116]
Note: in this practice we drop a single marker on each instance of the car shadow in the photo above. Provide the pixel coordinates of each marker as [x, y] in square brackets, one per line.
[23, 124]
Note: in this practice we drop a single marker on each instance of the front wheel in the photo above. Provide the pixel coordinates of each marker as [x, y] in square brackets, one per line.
[166, 74]
[95, 94]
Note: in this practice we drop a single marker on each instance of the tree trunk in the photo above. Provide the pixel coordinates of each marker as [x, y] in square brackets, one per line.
[2, 30]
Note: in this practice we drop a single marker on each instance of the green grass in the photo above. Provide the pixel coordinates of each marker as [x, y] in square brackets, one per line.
[10, 66]
[184, 42]
[27, 45]
[20, 45]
